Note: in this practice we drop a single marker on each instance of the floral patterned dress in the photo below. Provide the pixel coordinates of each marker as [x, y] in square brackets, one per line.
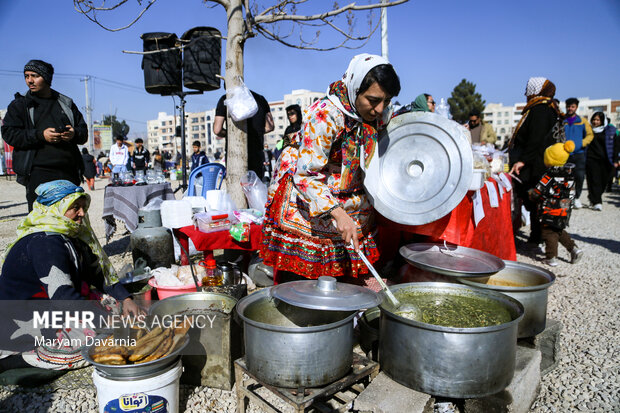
[319, 172]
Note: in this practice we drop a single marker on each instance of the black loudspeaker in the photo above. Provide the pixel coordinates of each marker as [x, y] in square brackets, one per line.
[162, 71]
[202, 58]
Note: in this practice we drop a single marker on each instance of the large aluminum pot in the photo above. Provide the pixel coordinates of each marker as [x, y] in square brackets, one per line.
[445, 361]
[528, 284]
[291, 346]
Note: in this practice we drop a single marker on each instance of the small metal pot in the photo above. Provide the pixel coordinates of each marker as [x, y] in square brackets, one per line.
[530, 286]
[446, 361]
[293, 347]
[369, 332]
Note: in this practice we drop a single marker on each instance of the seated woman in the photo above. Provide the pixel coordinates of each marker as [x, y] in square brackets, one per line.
[320, 206]
[57, 257]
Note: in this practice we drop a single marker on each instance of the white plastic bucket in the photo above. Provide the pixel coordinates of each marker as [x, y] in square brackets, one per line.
[156, 394]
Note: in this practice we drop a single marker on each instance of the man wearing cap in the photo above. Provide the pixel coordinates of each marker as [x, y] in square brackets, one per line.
[45, 128]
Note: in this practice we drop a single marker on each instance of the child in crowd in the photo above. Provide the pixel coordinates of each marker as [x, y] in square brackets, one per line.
[555, 193]
[198, 157]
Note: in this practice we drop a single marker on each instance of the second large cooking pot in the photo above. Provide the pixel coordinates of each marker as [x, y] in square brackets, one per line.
[527, 283]
[306, 341]
[446, 361]
[294, 347]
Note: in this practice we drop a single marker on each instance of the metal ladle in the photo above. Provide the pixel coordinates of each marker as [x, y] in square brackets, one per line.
[374, 272]
[406, 308]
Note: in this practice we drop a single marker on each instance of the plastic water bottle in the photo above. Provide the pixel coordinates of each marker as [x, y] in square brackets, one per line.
[213, 276]
[443, 109]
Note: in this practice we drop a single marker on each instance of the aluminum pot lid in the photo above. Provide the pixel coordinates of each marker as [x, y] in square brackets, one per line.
[422, 168]
[325, 293]
[451, 260]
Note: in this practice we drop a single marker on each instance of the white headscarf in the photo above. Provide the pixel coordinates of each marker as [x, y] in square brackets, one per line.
[534, 86]
[602, 127]
[358, 68]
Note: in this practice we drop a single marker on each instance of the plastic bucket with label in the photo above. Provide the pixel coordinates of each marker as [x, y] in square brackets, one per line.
[153, 393]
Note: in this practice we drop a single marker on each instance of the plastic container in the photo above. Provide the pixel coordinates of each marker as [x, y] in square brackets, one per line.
[477, 181]
[176, 213]
[212, 221]
[139, 394]
[213, 275]
[164, 291]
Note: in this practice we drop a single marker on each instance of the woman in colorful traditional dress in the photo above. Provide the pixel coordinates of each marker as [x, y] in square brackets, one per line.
[317, 207]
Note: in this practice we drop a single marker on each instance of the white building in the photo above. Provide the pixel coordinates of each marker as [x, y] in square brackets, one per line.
[301, 97]
[280, 122]
[198, 127]
[504, 119]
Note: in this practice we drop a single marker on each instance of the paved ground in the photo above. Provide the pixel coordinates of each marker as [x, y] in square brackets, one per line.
[585, 298]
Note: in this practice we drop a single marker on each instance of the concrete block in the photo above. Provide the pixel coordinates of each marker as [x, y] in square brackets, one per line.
[520, 393]
[384, 395]
[548, 342]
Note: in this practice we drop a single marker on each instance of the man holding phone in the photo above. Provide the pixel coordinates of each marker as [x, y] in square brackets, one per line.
[45, 128]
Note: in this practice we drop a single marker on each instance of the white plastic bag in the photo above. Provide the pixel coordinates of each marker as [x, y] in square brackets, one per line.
[241, 104]
[255, 191]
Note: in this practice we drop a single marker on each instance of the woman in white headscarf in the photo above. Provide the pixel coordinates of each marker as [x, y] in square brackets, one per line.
[320, 206]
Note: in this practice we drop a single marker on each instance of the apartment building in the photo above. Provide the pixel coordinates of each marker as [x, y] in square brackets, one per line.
[504, 119]
[198, 127]
[301, 97]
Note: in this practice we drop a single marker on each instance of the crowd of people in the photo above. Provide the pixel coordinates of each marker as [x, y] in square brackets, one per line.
[317, 210]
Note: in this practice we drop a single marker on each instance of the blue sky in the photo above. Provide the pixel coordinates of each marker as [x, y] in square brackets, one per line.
[433, 44]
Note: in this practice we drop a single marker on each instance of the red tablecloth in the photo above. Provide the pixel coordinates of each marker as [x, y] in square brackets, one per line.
[493, 233]
[221, 240]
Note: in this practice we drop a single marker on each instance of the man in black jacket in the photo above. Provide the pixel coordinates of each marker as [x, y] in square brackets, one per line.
[140, 157]
[45, 128]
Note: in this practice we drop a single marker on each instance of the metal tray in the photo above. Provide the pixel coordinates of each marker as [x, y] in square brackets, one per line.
[142, 370]
[451, 260]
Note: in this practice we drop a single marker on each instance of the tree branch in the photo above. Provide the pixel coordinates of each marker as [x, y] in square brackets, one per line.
[88, 9]
[263, 18]
[271, 36]
[85, 7]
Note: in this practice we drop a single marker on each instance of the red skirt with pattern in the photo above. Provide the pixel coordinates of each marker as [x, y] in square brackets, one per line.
[305, 250]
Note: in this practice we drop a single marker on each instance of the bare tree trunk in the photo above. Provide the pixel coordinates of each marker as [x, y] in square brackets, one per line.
[237, 152]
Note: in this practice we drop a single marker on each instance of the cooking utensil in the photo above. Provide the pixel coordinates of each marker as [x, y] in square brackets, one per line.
[215, 341]
[374, 272]
[326, 293]
[142, 370]
[530, 285]
[451, 260]
[422, 168]
[286, 345]
[446, 361]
